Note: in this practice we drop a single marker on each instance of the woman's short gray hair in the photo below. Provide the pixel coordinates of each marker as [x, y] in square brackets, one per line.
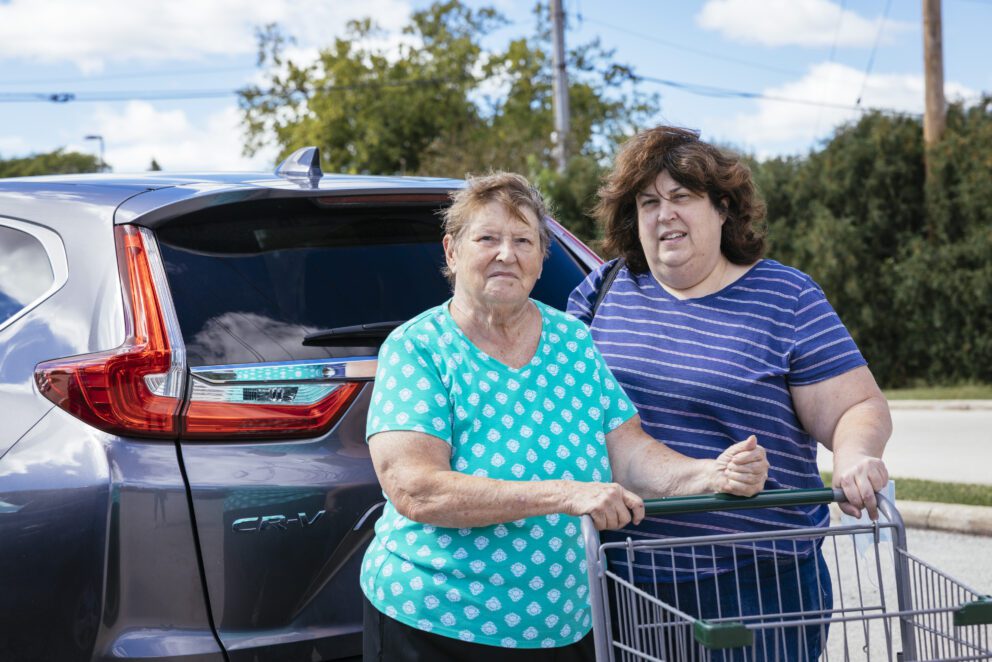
[511, 190]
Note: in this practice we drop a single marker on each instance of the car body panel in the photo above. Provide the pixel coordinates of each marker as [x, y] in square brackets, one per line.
[97, 560]
[82, 315]
[280, 587]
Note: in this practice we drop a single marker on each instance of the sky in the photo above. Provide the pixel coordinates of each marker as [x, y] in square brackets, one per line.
[156, 80]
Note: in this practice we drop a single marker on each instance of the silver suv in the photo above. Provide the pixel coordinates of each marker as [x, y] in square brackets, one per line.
[185, 365]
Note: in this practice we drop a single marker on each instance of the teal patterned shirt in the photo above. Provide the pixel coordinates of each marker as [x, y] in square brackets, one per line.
[519, 584]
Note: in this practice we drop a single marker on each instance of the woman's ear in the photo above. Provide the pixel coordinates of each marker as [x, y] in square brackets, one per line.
[448, 243]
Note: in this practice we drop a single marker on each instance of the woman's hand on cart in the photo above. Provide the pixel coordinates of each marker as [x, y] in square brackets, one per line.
[742, 469]
[860, 477]
[610, 505]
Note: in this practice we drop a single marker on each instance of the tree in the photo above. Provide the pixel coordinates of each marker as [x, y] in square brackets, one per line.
[905, 260]
[51, 163]
[154, 166]
[367, 111]
[439, 104]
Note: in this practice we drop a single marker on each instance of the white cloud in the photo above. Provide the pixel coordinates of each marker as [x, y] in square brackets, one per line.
[95, 32]
[12, 145]
[779, 127]
[811, 23]
[139, 132]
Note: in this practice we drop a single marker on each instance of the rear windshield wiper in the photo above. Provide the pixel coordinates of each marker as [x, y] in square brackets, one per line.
[350, 336]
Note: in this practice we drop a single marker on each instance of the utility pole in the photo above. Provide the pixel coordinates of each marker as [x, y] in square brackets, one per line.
[935, 115]
[560, 85]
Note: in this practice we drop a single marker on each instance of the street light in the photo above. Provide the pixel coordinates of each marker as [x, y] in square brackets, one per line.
[103, 164]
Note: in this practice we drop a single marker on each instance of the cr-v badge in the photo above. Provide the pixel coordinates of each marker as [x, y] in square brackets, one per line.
[280, 522]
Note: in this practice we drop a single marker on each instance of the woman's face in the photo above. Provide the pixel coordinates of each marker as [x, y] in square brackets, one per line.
[679, 230]
[497, 258]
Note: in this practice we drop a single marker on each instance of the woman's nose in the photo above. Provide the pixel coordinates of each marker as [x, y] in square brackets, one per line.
[665, 210]
[506, 252]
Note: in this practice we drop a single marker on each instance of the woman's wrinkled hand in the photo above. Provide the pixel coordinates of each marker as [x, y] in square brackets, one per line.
[742, 469]
[860, 476]
[609, 504]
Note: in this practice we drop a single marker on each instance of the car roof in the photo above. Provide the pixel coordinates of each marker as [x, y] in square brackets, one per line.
[153, 180]
[156, 197]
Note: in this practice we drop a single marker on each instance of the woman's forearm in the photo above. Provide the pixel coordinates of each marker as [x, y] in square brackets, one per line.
[654, 470]
[456, 500]
[415, 472]
[863, 430]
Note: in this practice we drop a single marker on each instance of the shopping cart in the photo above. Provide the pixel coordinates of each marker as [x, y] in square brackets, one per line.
[880, 602]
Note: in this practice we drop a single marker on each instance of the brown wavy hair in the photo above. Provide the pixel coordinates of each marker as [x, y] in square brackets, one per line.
[694, 164]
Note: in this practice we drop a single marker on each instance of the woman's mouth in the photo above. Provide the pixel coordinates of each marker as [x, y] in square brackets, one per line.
[673, 236]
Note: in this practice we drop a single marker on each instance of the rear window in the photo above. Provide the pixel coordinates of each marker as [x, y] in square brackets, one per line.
[25, 271]
[249, 281]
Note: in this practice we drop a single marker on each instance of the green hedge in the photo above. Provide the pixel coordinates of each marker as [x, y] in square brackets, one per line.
[906, 261]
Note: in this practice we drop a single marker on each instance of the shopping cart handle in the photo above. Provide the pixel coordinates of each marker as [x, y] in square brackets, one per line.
[712, 502]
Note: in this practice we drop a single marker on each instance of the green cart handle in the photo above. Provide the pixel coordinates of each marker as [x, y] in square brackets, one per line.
[715, 502]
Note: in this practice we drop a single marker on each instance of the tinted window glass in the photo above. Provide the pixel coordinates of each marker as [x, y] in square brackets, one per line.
[249, 281]
[25, 272]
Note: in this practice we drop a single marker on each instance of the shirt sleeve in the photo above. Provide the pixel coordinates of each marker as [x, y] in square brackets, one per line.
[822, 346]
[617, 407]
[582, 297]
[409, 392]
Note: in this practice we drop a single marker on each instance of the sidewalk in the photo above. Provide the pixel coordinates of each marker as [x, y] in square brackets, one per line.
[942, 405]
[973, 520]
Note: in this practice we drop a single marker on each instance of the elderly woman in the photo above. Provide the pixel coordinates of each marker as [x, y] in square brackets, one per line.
[709, 339]
[493, 425]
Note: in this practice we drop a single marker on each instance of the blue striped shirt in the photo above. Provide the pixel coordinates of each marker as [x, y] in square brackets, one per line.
[705, 373]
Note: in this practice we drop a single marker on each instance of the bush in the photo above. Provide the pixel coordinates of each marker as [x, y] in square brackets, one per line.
[905, 259]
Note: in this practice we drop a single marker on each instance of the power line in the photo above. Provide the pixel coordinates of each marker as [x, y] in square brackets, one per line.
[172, 95]
[130, 95]
[697, 51]
[151, 74]
[162, 95]
[874, 49]
[722, 92]
[833, 52]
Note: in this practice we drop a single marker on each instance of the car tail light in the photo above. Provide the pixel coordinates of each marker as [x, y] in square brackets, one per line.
[134, 389]
[287, 399]
[137, 388]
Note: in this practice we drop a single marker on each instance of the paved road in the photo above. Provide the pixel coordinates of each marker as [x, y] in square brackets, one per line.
[950, 446]
[963, 557]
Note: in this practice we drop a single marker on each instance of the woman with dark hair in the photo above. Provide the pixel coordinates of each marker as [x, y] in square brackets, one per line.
[709, 338]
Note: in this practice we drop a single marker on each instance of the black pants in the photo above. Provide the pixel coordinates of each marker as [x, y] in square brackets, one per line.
[385, 639]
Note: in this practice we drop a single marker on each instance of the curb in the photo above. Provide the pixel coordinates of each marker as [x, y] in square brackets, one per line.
[942, 405]
[956, 518]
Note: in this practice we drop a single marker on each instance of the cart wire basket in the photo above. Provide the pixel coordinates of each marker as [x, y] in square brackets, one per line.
[867, 599]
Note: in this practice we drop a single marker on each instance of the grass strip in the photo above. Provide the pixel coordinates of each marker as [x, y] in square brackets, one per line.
[916, 489]
[959, 392]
